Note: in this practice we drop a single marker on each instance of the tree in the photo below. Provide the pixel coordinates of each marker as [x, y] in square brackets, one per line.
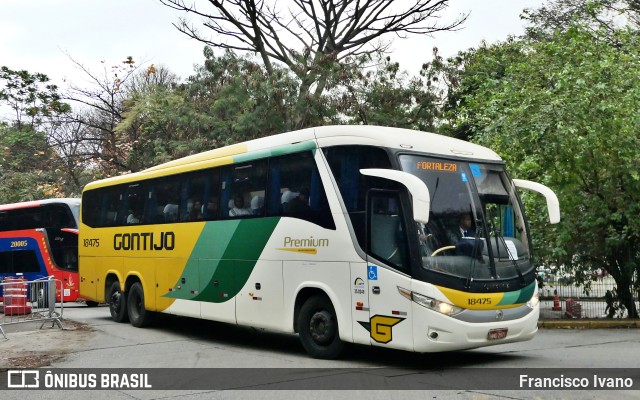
[386, 95]
[100, 110]
[565, 112]
[25, 158]
[229, 99]
[312, 38]
[30, 96]
[600, 18]
[28, 160]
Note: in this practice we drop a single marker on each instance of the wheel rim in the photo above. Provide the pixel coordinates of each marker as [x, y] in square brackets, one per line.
[115, 301]
[322, 327]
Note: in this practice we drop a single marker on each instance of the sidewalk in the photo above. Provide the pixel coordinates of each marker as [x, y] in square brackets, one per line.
[590, 323]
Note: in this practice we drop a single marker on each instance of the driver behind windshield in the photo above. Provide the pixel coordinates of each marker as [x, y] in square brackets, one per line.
[464, 230]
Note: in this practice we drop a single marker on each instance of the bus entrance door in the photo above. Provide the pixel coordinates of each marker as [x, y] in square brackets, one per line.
[389, 311]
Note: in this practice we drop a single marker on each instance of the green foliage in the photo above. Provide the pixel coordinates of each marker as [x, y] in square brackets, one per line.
[564, 112]
[27, 161]
[230, 99]
[24, 165]
[385, 95]
[30, 96]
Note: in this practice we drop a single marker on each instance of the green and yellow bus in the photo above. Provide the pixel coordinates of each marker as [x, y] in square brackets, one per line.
[339, 233]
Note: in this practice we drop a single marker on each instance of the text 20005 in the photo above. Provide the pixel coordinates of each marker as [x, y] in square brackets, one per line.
[92, 243]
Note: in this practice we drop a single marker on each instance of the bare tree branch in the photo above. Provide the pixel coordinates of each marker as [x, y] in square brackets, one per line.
[309, 35]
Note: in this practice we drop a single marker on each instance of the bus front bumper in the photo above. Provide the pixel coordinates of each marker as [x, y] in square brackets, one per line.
[435, 332]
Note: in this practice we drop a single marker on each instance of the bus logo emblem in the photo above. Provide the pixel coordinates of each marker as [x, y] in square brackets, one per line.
[380, 327]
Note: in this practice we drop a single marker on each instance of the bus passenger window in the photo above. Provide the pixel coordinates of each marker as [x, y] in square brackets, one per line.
[163, 200]
[296, 190]
[198, 188]
[243, 188]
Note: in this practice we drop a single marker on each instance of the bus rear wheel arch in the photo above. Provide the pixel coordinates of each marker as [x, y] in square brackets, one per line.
[317, 326]
[139, 316]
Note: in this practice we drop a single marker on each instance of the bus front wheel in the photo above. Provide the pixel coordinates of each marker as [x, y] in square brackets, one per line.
[318, 328]
[117, 303]
[138, 315]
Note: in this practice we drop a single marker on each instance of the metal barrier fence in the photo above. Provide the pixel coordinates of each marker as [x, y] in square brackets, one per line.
[30, 301]
[563, 299]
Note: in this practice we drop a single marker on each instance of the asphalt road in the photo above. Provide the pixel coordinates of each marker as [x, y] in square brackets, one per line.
[174, 342]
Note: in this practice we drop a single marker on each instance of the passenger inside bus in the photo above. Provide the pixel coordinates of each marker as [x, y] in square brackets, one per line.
[286, 198]
[196, 211]
[257, 205]
[299, 205]
[210, 210]
[133, 217]
[238, 209]
[170, 212]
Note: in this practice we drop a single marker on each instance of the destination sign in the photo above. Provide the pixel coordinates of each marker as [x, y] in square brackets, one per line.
[437, 166]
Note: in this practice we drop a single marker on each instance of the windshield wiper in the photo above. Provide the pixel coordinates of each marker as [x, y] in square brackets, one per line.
[497, 234]
[474, 257]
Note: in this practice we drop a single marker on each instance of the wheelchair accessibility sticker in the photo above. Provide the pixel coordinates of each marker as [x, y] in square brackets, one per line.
[372, 272]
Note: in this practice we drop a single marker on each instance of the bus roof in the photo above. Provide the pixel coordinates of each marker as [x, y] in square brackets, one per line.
[39, 203]
[310, 138]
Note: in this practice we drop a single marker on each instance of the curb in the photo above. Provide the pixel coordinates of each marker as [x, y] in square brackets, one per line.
[590, 324]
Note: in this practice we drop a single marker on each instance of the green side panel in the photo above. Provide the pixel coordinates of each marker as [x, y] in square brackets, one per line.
[250, 238]
[217, 283]
[223, 272]
[518, 296]
[365, 325]
[526, 293]
[211, 245]
[278, 151]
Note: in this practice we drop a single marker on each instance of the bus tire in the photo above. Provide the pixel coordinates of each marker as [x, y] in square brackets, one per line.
[318, 328]
[91, 303]
[117, 303]
[138, 315]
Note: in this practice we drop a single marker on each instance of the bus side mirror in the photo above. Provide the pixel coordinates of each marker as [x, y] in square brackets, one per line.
[553, 205]
[419, 191]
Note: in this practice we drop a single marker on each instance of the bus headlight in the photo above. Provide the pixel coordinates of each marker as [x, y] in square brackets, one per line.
[436, 305]
[535, 299]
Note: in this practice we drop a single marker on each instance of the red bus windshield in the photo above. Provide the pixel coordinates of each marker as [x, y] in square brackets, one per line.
[40, 239]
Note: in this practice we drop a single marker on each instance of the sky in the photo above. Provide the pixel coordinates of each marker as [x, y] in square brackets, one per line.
[42, 35]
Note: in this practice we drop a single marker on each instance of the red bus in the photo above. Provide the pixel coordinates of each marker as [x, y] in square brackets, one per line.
[40, 239]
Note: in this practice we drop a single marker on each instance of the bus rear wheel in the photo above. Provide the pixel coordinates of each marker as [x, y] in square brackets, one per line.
[117, 303]
[318, 328]
[138, 315]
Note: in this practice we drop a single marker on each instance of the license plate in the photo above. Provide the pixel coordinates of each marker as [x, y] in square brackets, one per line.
[499, 333]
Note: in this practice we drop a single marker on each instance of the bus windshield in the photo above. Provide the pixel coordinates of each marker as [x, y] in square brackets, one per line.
[476, 229]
